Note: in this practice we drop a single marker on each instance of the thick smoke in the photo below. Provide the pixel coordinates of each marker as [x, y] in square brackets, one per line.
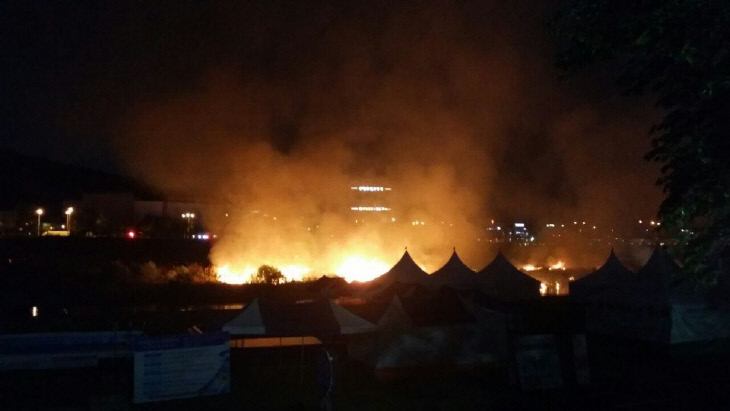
[456, 108]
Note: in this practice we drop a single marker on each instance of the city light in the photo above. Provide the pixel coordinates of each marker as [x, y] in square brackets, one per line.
[68, 213]
[189, 218]
[39, 212]
[370, 188]
[369, 208]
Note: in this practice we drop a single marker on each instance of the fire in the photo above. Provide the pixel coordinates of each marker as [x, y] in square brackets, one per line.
[359, 268]
[294, 272]
[530, 267]
[229, 275]
[558, 266]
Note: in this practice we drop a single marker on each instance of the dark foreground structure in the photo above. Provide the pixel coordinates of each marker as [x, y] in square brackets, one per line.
[391, 344]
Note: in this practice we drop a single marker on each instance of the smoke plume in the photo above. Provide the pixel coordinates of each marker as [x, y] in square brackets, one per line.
[455, 107]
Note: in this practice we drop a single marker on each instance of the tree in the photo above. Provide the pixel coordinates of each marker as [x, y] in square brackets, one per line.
[267, 274]
[679, 52]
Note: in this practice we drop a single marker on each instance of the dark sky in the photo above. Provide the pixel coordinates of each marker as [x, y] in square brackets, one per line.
[461, 89]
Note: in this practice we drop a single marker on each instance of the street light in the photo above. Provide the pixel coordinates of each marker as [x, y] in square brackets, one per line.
[40, 213]
[69, 211]
[189, 217]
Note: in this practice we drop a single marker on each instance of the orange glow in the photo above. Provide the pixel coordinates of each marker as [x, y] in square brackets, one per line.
[530, 267]
[234, 276]
[351, 268]
[558, 266]
[294, 272]
[237, 275]
[359, 268]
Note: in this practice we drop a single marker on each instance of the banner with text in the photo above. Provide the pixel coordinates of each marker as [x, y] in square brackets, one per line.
[181, 366]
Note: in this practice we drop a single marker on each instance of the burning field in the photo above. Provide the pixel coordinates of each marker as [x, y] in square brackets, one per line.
[437, 112]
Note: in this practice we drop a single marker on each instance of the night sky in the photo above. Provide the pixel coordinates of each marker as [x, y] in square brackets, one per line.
[184, 93]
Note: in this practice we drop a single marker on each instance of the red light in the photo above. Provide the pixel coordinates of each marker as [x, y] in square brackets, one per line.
[131, 234]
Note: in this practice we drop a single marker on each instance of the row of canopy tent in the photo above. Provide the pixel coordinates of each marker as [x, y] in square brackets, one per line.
[499, 278]
[437, 329]
[312, 318]
[654, 304]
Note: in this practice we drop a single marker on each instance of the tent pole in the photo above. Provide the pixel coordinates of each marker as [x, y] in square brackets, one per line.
[301, 363]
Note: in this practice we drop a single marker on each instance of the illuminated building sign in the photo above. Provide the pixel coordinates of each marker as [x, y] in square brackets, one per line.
[370, 208]
[370, 188]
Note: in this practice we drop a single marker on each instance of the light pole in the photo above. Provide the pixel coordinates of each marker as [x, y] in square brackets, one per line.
[189, 217]
[39, 212]
[69, 211]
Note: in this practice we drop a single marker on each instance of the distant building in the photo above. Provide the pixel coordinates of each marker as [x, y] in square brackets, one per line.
[115, 213]
[371, 203]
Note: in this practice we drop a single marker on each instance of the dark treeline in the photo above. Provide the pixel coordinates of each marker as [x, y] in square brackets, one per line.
[52, 251]
[79, 283]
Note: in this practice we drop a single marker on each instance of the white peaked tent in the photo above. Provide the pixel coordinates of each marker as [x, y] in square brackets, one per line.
[455, 274]
[249, 322]
[291, 319]
[349, 322]
[502, 280]
[655, 305]
[405, 271]
[441, 331]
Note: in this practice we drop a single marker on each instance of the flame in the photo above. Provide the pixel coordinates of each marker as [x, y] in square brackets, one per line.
[543, 288]
[234, 276]
[530, 267]
[351, 268]
[359, 268]
[294, 272]
[229, 275]
[558, 266]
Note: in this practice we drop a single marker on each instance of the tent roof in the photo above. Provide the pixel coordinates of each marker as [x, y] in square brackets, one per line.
[500, 266]
[325, 282]
[385, 292]
[611, 273]
[406, 271]
[372, 311]
[505, 281]
[321, 317]
[442, 308]
[611, 281]
[660, 269]
[454, 273]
